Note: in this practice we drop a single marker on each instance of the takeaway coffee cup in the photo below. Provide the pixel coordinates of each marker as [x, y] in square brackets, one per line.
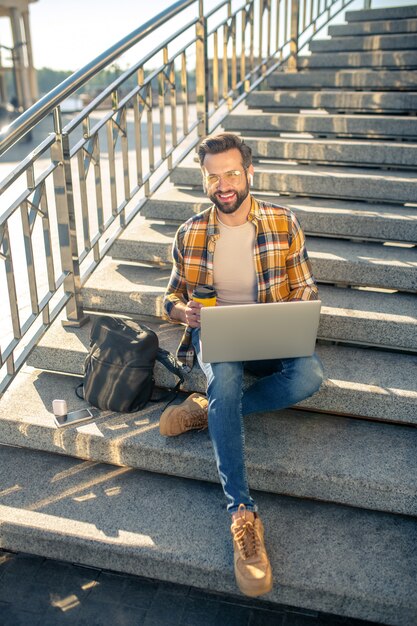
[205, 295]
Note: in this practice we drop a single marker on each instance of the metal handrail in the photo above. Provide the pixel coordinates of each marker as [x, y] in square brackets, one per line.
[80, 222]
[127, 74]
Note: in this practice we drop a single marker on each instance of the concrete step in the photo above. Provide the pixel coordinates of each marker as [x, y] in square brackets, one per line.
[376, 27]
[389, 13]
[89, 513]
[370, 264]
[334, 261]
[369, 318]
[360, 101]
[359, 382]
[348, 152]
[321, 180]
[404, 41]
[290, 452]
[385, 80]
[323, 123]
[336, 218]
[350, 315]
[375, 59]
[176, 204]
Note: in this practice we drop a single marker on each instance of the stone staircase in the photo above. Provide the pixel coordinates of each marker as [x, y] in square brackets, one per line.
[336, 475]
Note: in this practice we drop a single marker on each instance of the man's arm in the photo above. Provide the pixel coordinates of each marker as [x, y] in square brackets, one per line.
[178, 312]
[176, 304]
[176, 291]
[300, 275]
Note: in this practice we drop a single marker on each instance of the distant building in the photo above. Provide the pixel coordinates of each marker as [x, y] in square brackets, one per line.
[17, 58]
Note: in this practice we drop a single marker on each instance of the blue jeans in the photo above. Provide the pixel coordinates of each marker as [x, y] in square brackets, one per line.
[281, 383]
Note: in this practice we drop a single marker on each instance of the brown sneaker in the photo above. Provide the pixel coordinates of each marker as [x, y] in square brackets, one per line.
[190, 415]
[252, 567]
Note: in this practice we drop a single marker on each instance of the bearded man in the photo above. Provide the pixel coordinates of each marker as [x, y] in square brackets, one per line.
[250, 251]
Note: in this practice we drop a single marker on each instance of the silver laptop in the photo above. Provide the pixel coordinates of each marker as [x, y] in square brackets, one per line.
[251, 332]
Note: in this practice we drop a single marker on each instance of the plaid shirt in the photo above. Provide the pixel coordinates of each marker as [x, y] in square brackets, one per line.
[283, 269]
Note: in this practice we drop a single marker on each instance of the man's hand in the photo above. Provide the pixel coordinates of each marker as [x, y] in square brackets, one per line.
[187, 313]
[192, 313]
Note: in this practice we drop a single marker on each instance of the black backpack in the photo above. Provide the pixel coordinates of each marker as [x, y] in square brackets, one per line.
[118, 370]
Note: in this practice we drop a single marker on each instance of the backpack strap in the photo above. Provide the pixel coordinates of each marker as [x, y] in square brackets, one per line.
[171, 363]
[79, 391]
[168, 360]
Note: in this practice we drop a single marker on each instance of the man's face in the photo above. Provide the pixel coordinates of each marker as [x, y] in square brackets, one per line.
[232, 189]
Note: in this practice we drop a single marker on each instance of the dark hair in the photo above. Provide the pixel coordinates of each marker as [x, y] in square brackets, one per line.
[216, 144]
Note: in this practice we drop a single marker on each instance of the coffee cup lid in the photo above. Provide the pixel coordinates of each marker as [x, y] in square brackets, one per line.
[204, 292]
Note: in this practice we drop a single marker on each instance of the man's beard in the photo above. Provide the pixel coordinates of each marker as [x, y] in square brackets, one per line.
[232, 208]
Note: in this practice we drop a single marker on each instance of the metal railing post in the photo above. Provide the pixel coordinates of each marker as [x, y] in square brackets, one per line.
[295, 18]
[67, 232]
[201, 71]
[367, 4]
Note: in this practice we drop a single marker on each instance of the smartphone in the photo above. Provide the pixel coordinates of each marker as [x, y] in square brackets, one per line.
[75, 416]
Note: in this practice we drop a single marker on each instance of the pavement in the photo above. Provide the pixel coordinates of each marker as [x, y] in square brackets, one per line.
[38, 591]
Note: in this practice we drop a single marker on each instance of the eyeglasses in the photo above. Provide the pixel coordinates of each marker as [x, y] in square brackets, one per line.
[233, 177]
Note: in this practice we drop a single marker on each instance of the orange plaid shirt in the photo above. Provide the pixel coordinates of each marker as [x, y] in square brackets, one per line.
[282, 265]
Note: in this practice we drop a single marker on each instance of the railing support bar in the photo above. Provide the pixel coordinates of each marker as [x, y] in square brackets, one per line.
[60, 152]
[202, 73]
[295, 18]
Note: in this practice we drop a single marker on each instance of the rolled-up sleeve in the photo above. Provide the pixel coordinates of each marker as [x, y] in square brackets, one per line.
[300, 275]
[176, 290]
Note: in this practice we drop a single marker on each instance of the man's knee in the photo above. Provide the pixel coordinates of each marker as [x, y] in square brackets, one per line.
[226, 378]
[305, 373]
[313, 373]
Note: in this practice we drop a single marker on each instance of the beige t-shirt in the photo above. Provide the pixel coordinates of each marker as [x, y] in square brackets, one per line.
[234, 274]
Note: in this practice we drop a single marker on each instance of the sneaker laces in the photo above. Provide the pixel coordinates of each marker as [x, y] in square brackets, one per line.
[246, 538]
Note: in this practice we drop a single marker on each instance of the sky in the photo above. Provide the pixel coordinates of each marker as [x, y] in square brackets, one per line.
[90, 27]
[68, 34]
